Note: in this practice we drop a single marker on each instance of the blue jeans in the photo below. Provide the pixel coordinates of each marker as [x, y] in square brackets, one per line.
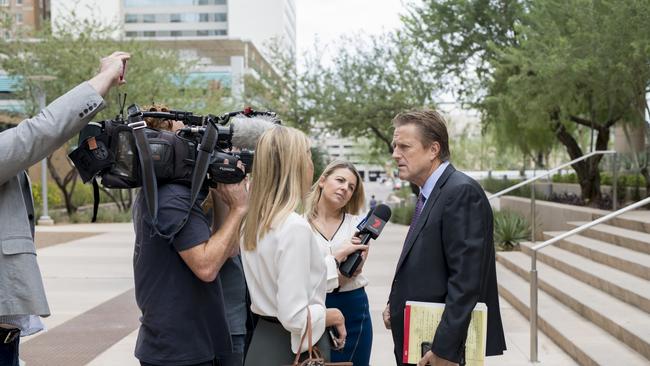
[8, 351]
[354, 306]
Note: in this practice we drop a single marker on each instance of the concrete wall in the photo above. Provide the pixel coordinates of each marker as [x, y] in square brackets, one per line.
[558, 188]
[550, 216]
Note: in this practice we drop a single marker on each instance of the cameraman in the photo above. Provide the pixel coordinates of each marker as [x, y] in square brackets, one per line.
[22, 297]
[176, 283]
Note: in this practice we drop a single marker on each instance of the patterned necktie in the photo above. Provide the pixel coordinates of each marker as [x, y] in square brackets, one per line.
[416, 215]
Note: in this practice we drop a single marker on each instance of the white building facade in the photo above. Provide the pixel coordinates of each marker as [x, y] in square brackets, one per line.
[226, 37]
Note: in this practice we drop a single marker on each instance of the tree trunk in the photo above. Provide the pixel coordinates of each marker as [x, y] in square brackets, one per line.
[588, 171]
[66, 184]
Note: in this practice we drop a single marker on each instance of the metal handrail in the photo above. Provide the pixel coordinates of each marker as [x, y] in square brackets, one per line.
[533, 270]
[557, 168]
[533, 216]
[534, 287]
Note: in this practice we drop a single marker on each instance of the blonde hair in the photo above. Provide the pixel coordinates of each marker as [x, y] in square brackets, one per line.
[355, 203]
[279, 181]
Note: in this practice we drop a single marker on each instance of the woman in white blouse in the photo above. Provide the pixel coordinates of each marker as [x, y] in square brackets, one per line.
[284, 265]
[332, 209]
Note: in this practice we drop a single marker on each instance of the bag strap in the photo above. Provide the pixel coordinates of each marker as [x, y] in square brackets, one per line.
[308, 333]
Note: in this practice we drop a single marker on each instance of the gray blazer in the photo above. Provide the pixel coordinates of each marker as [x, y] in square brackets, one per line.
[21, 285]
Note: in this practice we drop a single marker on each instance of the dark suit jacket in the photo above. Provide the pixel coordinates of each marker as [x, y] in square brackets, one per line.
[450, 258]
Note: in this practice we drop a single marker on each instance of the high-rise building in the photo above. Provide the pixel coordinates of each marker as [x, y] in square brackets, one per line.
[27, 15]
[257, 21]
[226, 37]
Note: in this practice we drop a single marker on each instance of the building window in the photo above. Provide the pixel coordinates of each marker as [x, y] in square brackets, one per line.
[148, 18]
[149, 33]
[220, 17]
[204, 17]
[176, 33]
[131, 34]
[202, 33]
[19, 18]
[175, 18]
[19, 2]
[220, 32]
[131, 18]
[4, 2]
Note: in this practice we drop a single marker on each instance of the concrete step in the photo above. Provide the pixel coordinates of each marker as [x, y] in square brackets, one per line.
[587, 343]
[627, 323]
[622, 285]
[615, 256]
[631, 239]
[634, 220]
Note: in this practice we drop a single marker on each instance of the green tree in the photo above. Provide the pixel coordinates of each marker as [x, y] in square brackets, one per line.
[461, 37]
[279, 88]
[578, 65]
[71, 55]
[543, 72]
[368, 83]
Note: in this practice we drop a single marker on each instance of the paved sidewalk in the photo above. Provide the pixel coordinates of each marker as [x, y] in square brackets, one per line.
[94, 320]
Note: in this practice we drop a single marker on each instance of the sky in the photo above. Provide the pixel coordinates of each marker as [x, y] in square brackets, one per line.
[327, 20]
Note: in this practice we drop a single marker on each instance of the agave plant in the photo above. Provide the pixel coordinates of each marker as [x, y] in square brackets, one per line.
[510, 229]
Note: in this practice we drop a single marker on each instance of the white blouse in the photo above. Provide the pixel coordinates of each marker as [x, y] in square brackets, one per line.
[344, 233]
[285, 275]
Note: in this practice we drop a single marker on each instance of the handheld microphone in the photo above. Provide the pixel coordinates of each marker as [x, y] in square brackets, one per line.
[369, 228]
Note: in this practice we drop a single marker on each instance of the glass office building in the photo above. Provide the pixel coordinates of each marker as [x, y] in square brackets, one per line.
[175, 18]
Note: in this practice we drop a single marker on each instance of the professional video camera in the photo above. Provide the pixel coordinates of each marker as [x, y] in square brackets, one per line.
[128, 154]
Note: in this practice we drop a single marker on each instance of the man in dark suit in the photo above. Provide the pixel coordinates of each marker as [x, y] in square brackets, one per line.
[448, 255]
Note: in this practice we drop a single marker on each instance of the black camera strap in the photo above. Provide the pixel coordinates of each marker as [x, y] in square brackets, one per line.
[95, 199]
[149, 183]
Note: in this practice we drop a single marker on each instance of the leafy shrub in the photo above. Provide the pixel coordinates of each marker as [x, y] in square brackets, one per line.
[509, 230]
[493, 185]
[565, 178]
[82, 195]
[54, 196]
[403, 214]
[404, 192]
[84, 217]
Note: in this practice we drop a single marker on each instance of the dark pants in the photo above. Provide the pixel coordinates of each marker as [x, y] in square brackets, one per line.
[355, 309]
[271, 345]
[9, 341]
[209, 363]
[236, 358]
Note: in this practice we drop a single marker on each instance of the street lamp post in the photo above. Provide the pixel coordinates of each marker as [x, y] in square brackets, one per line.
[45, 218]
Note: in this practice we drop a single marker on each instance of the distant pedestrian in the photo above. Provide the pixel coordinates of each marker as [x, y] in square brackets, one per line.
[373, 202]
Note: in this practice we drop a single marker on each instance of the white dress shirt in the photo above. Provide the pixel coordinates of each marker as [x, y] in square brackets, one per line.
[344, 233]
[286, 274]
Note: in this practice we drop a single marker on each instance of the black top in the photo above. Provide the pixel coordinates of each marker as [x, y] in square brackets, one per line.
[183, 318]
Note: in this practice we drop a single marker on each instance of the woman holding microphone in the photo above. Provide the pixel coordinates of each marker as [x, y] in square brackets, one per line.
[284, 265]
[332, 208]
